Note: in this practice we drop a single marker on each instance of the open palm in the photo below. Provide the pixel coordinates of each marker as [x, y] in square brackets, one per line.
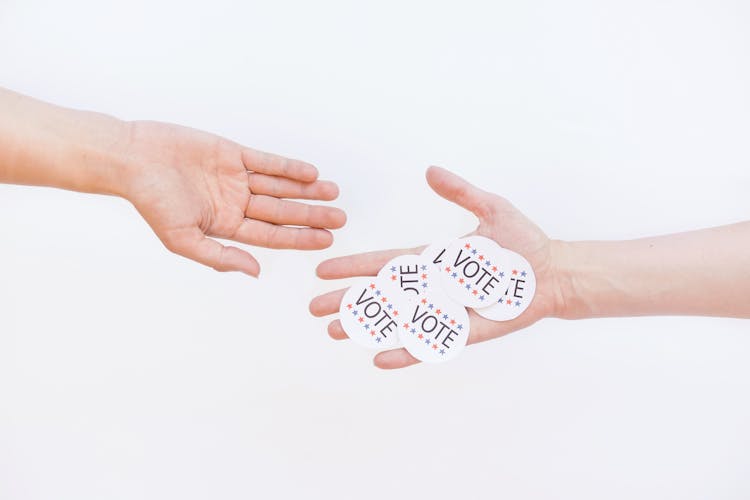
[498, 220]
[191, 187]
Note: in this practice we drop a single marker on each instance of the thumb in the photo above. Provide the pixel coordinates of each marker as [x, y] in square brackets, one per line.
[193, 244]
[459, 191]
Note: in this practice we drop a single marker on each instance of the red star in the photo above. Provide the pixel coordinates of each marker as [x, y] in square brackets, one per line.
[474, 291]
[424, 301]
[406, 325]
[361, 319]
[494, 269]
[372, 285]
[393, 277]
[461, 281]
[395, 313]
[447, 269]
[372, 332]
[467, 246]
[481, 257]
[348, 306]
[420, 336]
[434, 346]
[437, 311]
[508, 302]
[383, 300]
[453, 322]
[424, 276]
[515, 272]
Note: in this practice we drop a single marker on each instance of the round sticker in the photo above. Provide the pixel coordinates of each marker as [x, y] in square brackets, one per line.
[434, 253]
[411, 273]
[519, 294]
[370, 313]
[434, 328]
[474, 271]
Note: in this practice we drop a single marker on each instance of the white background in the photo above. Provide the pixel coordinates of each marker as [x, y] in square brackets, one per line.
[129, 373]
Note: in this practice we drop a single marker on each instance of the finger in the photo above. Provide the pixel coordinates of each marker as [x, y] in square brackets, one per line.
[281, 187]
[264, 234]
[336, 331]
[193, 244]
[454, 188]
[286, 212]
[328, 303]
[363, 264]
[395, 358]
[271, 164]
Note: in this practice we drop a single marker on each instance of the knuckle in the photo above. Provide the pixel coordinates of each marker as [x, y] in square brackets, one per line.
[220, 261]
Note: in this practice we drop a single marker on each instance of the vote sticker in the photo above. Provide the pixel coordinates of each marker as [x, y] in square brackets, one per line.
[519, 294]
[434, 253]
[410, 273]
[433, 327]
[370, 313]
[474, 271]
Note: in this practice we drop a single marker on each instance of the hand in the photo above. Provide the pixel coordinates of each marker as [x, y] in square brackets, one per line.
[498, 220]
[191, 186]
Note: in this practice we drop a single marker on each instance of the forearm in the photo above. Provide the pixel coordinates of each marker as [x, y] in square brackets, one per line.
[45, 145]
[705, 272]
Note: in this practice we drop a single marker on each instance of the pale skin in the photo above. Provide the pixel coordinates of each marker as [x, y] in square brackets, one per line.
[190, 186]
[704, 272]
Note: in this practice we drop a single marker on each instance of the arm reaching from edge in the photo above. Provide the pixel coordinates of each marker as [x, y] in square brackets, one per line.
[190, 186]
[580, 279]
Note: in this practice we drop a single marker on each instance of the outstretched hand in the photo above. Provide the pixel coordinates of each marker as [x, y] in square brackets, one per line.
[192, 186]
[498, 220]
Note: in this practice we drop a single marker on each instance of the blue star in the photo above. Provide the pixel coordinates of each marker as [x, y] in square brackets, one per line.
[412, 330]
[427, 341]
[430, 306]
[393, 269]
[424, 285]
[377, 292]
[424, 268]
[518, 303]
[354, 313]
[445, 316]
[486, 262]
[468, 287]
[474, 251]
[523, 273]
[366, 327]
[460, 327]
[502, 274]
[442, 351]
[377, 339]
[390, 306]
[481, 297]
[454, 275]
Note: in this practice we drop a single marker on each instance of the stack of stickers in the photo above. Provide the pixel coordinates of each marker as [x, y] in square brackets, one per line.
[419, 301]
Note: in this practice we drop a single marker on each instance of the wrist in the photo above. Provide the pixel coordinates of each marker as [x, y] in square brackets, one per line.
[568, 263]
[99, 154]
[46, 145]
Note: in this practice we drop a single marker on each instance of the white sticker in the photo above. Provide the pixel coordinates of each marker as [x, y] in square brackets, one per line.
[411, 273]
[370, 313]
[474, 271]
[519, 294]
[434, 253]
[434, 328]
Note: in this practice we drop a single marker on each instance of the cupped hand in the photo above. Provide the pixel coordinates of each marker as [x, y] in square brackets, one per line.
[192, 186]
[498, 220]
